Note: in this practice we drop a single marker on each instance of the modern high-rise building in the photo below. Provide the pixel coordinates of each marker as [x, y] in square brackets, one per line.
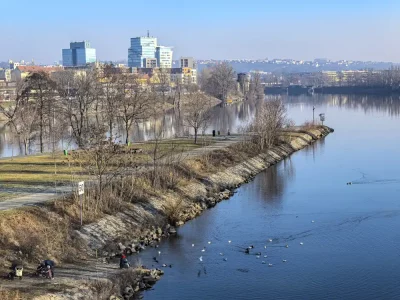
[142, 48]
[164, 57]
[79, 54]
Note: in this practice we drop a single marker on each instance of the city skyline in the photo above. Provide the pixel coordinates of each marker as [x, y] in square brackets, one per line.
[361, 30]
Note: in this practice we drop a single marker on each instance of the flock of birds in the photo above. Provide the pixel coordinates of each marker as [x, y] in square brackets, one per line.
[246, 250]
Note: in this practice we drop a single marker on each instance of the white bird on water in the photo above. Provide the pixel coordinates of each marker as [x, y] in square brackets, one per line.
[265, 256]
[203, 250]
[225, 259]
[209, 243]
[287, 246]
[258, 256]
[270, 240]
[301, 243]
[201, 258]
[263, 262]
[270, 265]
[221, 253]
[265, 247]
[159, 252]
[229, 242]
[192, 245]
[312, 221]
[284, 260]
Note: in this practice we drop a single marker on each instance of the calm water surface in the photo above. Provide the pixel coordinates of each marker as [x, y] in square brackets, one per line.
[350, 251]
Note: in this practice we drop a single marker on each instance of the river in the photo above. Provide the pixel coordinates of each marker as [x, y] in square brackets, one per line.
[343, 239]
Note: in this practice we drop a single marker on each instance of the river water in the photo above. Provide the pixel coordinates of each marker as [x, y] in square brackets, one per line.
[349, 233]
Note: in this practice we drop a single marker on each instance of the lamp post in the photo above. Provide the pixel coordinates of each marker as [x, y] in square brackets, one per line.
[313, 109]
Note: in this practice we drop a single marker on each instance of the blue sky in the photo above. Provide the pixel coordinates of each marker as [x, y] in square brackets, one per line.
[300, 29]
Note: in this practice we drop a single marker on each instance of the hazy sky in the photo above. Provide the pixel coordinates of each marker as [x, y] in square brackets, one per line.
[299, 29]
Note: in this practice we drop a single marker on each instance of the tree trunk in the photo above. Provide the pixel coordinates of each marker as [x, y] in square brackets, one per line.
[127, 133]
[41, 130]
[195, 135]
[111, 131]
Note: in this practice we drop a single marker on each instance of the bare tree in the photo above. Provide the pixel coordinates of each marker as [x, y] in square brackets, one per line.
[103, 161]
[134, 102]
[256, 87]
[219, 81]
[196, 112]
[83, 90]
[40, 89]
[270, 118]
[22, 117]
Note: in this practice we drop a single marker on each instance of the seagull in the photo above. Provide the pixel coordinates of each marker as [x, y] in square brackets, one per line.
[287, 246]
[265, 256]
[225, 259]
[263, 262]
[284, 260]
[312, 221]
[251, 247]
[221, 253]
[258, 256]
[270, 240]
[164, 265]
[301, 243]
[203, 250]
[229, 242]
[258, 253]
[265, 247]
[159, 252]
[201, 258]
[270, 265]
[209, 243]
[192, 245]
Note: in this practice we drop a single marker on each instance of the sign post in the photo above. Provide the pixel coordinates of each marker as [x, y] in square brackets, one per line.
[81, 191]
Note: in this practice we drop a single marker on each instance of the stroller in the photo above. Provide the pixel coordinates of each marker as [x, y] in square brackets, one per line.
[17, 271]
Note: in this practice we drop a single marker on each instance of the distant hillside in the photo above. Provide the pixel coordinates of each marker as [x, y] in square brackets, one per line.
[289, 67]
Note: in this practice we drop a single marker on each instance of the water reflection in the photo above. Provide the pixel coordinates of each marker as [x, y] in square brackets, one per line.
[229, 118]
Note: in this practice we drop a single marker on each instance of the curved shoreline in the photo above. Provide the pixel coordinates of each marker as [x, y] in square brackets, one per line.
[209, 192]
[144, 224]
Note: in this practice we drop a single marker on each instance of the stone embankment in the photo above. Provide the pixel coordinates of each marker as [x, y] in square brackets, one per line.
[110, 235]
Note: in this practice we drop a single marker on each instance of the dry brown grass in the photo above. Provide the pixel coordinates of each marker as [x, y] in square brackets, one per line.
[11, 295]
[37, 233]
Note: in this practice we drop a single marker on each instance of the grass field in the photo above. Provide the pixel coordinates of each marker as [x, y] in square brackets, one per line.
[23, 173]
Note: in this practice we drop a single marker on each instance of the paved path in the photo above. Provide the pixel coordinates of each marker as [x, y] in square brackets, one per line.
[30, 199]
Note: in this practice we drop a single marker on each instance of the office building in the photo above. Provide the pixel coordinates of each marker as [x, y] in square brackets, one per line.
[164, 57]
[142, 48]
[79, 54]
[150, 63]
[188, 62]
